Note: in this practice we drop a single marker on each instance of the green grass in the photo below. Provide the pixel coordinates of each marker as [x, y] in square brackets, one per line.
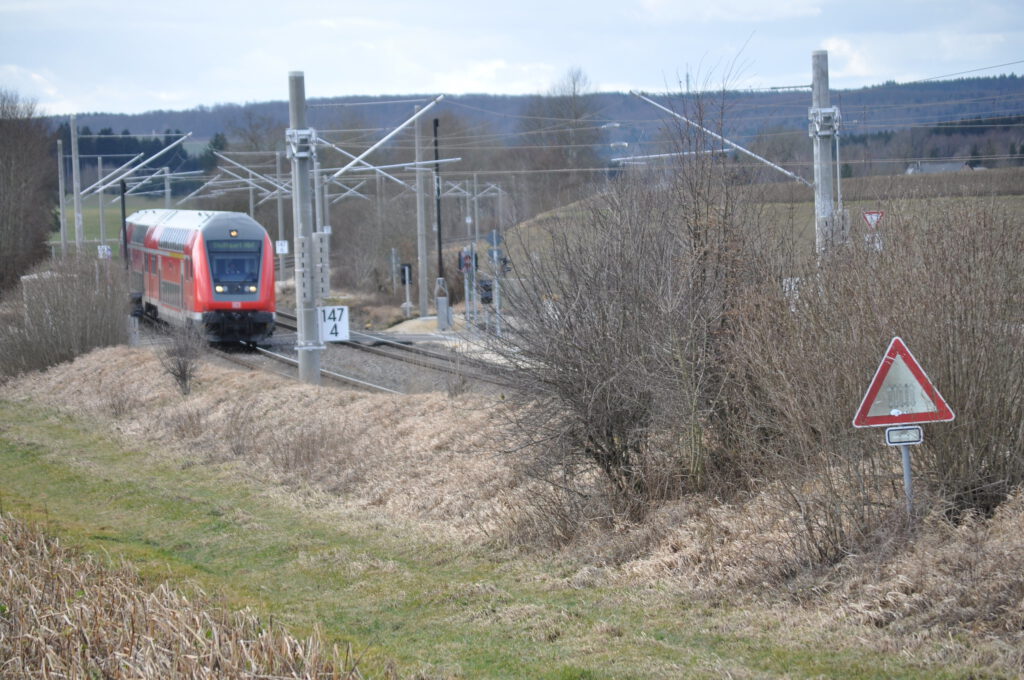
[432, 608]
[91, 219]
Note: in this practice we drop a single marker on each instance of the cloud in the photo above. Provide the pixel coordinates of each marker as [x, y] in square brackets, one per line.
[848, 61]
[495, 75]
[745, 11]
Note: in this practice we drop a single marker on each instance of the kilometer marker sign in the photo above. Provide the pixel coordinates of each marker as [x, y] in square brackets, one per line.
[901, 393]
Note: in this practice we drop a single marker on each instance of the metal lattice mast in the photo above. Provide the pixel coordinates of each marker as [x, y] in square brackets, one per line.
[60, 190]
[421, 225]
[76, 186]
[103, 218]
[280, 212]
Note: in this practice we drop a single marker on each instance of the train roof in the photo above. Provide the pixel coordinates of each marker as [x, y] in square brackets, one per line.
[191, 220]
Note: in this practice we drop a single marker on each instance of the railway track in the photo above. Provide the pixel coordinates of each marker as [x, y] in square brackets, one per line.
[397, 350]
[250, 361]
[329, 376]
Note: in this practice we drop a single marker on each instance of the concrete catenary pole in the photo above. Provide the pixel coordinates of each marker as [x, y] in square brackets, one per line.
[167, 188]
[421, 225]
[823, 127]
[60, 192]
[299, 139]
[76, 187]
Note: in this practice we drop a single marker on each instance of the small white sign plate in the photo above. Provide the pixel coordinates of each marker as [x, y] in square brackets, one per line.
[281, 247]
[333, 323]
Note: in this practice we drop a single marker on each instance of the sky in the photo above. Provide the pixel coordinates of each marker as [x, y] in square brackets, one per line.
[81, 56]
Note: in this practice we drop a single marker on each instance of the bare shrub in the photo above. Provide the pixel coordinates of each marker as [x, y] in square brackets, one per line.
[948, 282]
[187, 422]
[618, 335]
[62, 310]
[456, 383]
[658, 338]
[113, 626]
[242, 428]
[180, 359]
[304, 449]
[122, 401]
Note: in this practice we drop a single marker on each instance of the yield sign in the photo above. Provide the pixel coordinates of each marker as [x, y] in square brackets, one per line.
[872, 217]
[900, 393]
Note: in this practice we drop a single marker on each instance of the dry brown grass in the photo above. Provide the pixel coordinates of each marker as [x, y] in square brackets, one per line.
[422, 463]
[966, 576]
[424, 458]
[65, 615]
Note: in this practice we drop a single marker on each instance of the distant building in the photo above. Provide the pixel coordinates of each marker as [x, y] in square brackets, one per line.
[937, 167]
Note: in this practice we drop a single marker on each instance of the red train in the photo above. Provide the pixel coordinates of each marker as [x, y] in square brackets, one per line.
[214, 270]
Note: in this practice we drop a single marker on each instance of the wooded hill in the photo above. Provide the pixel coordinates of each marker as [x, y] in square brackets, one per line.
[884, 128]
[890, 106]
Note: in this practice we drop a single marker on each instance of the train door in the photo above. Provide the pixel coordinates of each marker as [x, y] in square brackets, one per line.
[187, 285]
[154, 276]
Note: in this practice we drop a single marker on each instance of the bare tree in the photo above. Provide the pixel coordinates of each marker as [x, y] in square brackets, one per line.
[619, 330]
[253, 131]
[180, 359]
[561, 137]
[27, 187]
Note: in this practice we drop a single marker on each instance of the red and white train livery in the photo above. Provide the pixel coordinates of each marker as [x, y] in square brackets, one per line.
[214, 270]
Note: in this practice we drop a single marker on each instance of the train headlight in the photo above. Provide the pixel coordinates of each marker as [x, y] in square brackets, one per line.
[252, 289]
[219, 289]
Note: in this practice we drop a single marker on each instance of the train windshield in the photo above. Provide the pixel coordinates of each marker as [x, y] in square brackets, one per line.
[235, 262]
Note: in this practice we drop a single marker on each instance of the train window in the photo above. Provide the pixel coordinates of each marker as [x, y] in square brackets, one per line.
[235, 264]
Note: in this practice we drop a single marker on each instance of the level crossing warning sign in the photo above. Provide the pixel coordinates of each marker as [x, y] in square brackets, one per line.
[901, 393]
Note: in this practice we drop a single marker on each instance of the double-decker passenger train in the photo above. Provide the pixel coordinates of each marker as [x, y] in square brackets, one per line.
[212, 270]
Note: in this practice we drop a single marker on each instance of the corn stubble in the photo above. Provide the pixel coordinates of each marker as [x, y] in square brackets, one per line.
[65, 615]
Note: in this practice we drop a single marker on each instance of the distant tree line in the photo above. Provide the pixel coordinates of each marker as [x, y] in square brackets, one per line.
[27, 187]
[123, 145]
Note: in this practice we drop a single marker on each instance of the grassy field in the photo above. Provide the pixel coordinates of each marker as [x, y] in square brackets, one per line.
[432, 608]
[91, 220]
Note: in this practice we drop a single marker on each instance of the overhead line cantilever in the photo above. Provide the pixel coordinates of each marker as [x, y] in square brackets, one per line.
[386, 137]
[722, 139]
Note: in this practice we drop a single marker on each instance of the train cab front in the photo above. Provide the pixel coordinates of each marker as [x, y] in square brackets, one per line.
[241, 308]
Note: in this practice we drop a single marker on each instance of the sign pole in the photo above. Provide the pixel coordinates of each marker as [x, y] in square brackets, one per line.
[908, 487]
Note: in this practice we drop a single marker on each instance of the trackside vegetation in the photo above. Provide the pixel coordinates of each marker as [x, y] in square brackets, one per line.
[668, 483]
[408, 605]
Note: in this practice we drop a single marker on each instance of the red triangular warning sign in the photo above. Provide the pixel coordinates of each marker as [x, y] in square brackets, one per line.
[900, 393]
[872, 217]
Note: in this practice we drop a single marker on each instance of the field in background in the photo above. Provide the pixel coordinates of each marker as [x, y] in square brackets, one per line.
[91, 220]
